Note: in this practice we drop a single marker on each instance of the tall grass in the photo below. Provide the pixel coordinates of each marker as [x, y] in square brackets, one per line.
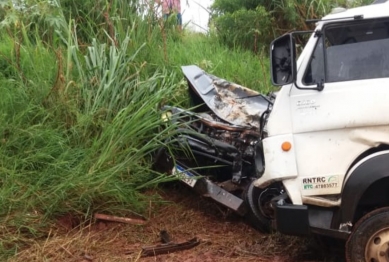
[78, 142]
[79, 111]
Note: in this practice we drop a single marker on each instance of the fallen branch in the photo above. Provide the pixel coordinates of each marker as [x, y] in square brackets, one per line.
[168, 248]
[126, 220]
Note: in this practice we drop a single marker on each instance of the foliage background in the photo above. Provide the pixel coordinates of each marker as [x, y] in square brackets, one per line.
[253, 24]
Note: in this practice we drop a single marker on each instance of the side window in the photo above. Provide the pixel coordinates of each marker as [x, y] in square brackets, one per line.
[348, 51]
[315, 70]
[357, 51]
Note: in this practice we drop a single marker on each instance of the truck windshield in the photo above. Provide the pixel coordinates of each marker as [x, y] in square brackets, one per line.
[352, 51]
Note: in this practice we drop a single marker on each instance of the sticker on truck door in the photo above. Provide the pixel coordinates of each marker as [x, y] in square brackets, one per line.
[320, 185]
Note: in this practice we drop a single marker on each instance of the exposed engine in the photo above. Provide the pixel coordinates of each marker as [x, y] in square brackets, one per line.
[217, 146]
[241, 138]
[225, 130]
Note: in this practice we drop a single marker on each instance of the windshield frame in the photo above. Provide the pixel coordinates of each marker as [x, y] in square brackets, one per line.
[320, 35]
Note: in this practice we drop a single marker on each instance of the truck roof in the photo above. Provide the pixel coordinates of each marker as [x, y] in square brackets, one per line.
[377, 9]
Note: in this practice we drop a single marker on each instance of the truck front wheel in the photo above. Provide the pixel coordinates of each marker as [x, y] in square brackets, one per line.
[369, 240]
[261, 213]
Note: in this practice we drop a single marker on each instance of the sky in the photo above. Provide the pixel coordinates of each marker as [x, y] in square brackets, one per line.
[194, 12]
[194, 15]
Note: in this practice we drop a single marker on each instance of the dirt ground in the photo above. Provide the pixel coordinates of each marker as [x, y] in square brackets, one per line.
[223, 236]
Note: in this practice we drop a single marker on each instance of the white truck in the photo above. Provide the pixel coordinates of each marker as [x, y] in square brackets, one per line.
[311, 158]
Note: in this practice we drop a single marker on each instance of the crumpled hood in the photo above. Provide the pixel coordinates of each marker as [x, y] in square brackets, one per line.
[231, 102]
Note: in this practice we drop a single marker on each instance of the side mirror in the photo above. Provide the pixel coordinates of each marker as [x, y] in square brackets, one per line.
[283, 60]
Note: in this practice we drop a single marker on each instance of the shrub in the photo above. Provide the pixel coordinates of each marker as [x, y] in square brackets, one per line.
[244, 28]
[254, 23]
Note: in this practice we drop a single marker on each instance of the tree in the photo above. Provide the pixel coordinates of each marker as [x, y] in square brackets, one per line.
[241, 23]
[254, 23]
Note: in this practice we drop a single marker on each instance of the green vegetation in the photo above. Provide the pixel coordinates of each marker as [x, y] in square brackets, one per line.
[82, 83]
[80, 109]
[252, 24]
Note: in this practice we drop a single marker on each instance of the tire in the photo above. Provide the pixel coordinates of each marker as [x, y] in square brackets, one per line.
[369, 240]
[260, 220]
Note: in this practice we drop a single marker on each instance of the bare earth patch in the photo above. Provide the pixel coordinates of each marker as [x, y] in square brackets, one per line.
[223, 237]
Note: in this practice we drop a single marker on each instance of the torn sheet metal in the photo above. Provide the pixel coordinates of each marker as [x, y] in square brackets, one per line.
[231, 102]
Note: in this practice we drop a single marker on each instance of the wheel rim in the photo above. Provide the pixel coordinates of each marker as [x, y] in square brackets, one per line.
[377, 248]
[264, 202]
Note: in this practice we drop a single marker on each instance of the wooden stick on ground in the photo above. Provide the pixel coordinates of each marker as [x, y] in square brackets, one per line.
[126, 220]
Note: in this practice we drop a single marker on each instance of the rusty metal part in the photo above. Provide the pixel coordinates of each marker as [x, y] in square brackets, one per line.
[230, 186]
[222, 125]
[250, 132]
[169, 247]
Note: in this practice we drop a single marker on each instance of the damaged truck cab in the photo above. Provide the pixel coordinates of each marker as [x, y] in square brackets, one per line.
[327, 143]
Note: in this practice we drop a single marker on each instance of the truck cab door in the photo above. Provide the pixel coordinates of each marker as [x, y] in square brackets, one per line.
[332, 127]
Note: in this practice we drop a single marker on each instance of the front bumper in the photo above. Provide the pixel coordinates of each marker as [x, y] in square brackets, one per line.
[292, 219]
[304, 220]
